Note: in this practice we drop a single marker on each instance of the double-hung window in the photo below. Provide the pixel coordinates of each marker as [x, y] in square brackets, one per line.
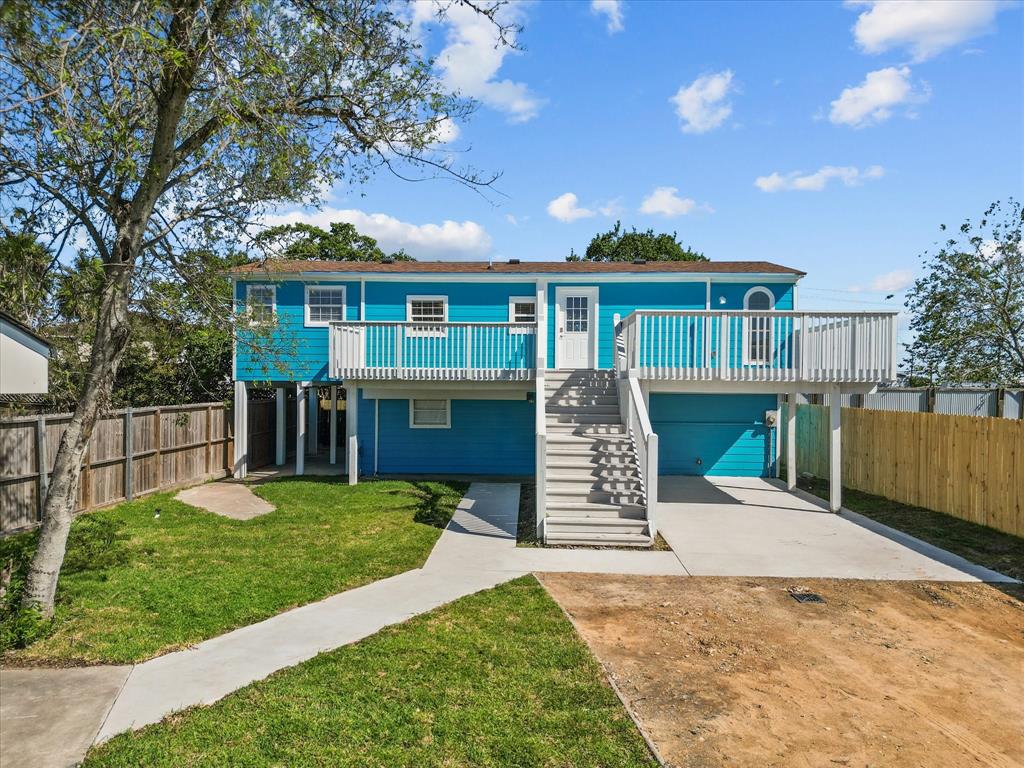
[430, 414]
[432, 311]
[324, 304]
[260, 303]
[522, 309]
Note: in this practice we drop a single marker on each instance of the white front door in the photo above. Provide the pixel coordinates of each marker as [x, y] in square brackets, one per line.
[576, 327]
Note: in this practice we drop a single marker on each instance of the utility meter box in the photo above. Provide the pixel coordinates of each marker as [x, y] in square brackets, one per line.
[771, 418]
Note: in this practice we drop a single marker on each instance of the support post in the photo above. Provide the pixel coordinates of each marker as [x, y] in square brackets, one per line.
[778, 434]
[300, 429]
[352, 430]
[129, 451]
[334, 424]
[313, 425]
[241, 429]
[791, 440]
[835, 462]
[42, 461]
[282, 427]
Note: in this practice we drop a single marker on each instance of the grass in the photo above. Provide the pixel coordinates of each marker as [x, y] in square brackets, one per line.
[499, 678]
[156, 575]
[980, 544]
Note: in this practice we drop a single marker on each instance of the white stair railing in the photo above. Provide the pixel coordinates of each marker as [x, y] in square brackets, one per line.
[633, 410]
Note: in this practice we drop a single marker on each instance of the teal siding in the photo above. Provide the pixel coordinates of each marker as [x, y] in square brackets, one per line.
[289, 351]
[487, 437]
[624, 298]
[726, 433]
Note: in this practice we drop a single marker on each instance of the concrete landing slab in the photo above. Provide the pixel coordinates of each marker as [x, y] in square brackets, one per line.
[742, 526]
[227, 499]
[49, 717]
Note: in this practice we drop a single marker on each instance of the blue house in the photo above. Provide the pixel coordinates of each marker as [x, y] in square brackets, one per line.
[593, 379]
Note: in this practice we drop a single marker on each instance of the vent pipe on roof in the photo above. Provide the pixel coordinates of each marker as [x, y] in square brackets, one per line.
[513, 261]
[490, 262]
[639, 261]
[388, 260]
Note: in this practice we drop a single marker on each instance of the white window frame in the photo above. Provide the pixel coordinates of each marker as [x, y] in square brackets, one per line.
[512, 301]
[747, 359]
[247, 309]
[424, 331]
[447, 412]
[324, 323]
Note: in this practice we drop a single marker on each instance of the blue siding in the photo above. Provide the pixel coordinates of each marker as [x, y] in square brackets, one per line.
[467, 302]
[726, 432]
[290, 351]
[624, 298]
[487, 437]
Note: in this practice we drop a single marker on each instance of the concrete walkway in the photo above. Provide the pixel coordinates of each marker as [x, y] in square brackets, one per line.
[234, 500]
[742, 526]
[726, 527]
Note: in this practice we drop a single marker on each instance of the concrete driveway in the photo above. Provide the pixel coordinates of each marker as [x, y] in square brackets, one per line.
[743, 526]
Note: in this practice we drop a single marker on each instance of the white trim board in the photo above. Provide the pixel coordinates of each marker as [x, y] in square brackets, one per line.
[527, 277]
[411, 393]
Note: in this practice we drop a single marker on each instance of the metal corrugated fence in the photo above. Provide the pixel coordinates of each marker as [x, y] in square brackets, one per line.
[950, 401]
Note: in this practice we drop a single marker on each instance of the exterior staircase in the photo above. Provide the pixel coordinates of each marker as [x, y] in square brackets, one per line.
[594, 494]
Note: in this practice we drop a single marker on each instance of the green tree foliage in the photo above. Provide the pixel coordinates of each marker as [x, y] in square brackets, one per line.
[617, 245]
[26, 277]
[305, 241]
[968, 308]
[162, 130]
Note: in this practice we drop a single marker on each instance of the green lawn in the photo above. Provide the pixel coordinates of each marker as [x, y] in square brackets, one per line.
[498, 678]
[980, 544]
[151, 576]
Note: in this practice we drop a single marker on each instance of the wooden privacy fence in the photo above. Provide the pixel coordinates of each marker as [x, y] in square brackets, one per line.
[132, 452]
[967, 466]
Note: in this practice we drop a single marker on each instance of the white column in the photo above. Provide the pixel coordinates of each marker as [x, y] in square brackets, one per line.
[334, 424]
[241, 465]
[282, 426]
[777, 432]
[352, 430]
[300, 429]
[313, 426]
[542, 325]
[791, 441]
[835, 459]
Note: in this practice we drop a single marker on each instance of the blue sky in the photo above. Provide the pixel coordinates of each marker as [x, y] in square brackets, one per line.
[826, 136]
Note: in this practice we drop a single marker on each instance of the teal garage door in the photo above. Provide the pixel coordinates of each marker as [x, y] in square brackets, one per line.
[714, 434]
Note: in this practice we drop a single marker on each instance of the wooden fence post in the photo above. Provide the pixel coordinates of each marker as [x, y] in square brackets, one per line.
[42, 460]
[209, 443]
[159, 459]
[129, 451]
[87, 478]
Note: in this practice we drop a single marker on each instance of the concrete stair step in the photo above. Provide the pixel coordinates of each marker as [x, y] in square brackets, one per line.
[595, 509]
[566, 483]
[572, 454]
[611, 410]
[577, 467]
[590, 526]
[605, 429]
[583, 401]
[614, 498]
[592, 443]
[587, 538]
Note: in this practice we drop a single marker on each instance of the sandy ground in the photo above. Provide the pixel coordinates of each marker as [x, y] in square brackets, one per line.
[735, 672]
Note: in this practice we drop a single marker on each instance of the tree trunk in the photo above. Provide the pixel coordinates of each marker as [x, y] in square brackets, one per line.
[107, 349]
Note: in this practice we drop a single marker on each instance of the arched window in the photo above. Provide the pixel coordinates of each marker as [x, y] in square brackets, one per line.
[758, 335]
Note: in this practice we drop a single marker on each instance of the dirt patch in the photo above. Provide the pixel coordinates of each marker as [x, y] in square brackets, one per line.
[735, 672]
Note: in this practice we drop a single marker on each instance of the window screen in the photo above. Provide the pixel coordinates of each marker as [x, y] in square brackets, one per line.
[430, 413]
[325, 304]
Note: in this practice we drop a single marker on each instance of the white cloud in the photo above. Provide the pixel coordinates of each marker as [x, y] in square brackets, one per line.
[891, 282]
[612, 208]
[613, 10]
[817, 181]
[665, 201]
[472, 57]
[566, 208]
[925, 27]
[873, 100]
[702, 104]
[451, 240]
[447, 131]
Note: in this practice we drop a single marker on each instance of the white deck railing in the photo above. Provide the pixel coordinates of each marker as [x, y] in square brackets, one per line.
[433, 351]
[706, 345]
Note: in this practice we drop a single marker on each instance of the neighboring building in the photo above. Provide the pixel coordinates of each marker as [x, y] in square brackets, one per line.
[24, 359]
[592, 378]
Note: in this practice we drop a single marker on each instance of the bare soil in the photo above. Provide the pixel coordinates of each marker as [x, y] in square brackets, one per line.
[735, 672]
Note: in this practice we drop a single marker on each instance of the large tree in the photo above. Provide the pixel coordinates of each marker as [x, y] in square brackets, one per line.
[968, 307]
[155, 130]
[619, 245]
[342, 242]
